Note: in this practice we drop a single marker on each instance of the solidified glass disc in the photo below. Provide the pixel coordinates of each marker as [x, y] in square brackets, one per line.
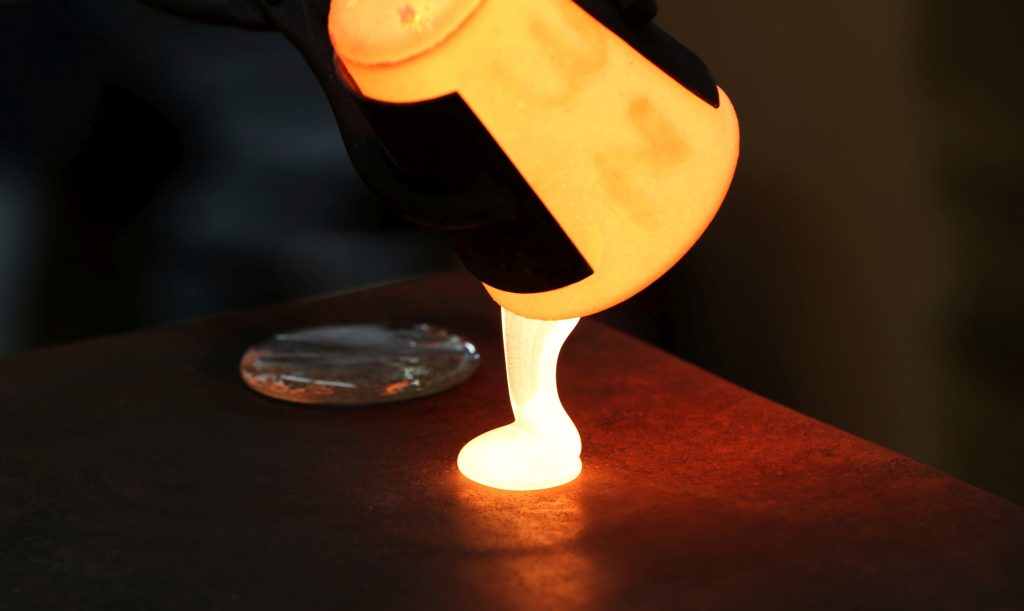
[358, 364]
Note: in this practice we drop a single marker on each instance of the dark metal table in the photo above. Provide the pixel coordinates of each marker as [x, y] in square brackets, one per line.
[137, 471]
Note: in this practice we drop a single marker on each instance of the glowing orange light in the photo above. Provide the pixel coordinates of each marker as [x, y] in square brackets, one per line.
[630, 164]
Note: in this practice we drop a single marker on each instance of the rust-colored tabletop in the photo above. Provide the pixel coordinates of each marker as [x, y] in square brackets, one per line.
[137, 472]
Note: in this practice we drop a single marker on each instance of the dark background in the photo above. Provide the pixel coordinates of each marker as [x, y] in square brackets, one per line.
[865, 269]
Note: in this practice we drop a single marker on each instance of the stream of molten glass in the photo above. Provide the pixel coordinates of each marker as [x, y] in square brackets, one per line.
[541, 448]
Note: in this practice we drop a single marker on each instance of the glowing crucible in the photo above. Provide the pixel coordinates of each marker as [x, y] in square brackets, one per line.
[604, 148]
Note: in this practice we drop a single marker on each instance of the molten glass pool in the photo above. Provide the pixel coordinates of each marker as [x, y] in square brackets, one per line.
[541, 448]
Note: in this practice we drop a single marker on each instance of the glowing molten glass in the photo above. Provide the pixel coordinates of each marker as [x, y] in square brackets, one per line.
[541, 449]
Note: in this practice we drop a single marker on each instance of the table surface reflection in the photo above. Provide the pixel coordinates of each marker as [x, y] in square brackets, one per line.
[139, 472]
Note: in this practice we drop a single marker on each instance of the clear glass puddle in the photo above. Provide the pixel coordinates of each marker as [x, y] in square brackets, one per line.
[359, 364]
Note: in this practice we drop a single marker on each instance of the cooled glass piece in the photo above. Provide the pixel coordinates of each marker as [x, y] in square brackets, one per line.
[359, 364]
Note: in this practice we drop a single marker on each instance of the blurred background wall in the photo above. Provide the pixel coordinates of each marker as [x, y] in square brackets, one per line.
[865, 269]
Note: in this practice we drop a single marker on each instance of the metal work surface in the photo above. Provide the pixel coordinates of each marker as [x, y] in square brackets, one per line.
[139, 472]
